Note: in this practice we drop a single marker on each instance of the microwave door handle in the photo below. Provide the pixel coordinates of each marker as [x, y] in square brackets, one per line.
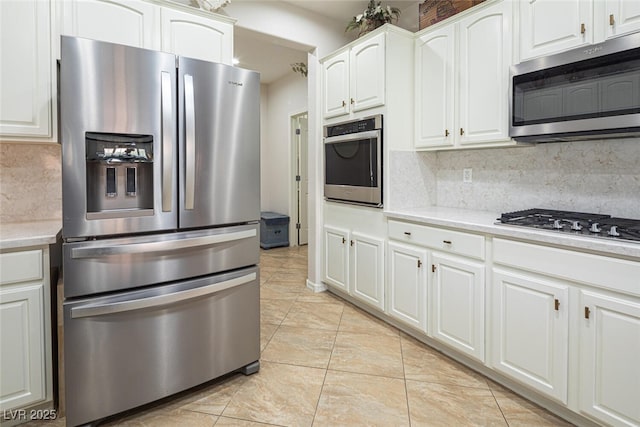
[91, 310]
[190, 142]
[352, 137]
[167, 140]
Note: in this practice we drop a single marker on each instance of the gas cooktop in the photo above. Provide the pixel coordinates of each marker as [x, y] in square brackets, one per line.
[578, 223]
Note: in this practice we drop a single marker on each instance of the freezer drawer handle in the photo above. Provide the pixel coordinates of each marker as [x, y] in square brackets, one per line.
[158, 301]
[170, 245]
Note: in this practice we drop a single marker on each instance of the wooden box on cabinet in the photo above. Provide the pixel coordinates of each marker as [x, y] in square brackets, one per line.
[434, 11]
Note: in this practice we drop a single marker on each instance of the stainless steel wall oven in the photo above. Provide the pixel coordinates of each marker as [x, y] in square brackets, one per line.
[353, 161]
[591, 92]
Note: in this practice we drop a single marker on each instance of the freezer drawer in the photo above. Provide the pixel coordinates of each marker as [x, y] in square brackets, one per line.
[107, 265]
[132, 348]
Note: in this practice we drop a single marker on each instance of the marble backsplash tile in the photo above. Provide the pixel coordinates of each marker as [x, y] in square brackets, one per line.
[412, 180]
[30, 182]
[593, 176]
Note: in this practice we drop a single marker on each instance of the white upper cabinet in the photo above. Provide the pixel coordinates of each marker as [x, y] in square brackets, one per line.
[354, 78]
[367, 73]
[434, 88]
[550, 26]
[26, 109]
[130, 22]
[461, 84]
[196, 36]
[336, 85]
[621, 17]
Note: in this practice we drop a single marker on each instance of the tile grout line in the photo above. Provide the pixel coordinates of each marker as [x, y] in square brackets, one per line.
[404, 378]
[498, 404]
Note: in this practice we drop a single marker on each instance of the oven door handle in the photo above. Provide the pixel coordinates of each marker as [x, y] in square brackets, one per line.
[91, 310]
[352, 137]
[163, 246]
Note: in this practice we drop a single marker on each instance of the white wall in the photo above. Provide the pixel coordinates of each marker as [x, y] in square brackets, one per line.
[284, 98]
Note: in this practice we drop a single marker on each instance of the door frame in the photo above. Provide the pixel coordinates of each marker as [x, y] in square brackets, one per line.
[294, 237]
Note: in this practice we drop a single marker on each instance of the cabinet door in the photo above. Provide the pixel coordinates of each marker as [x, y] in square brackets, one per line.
[367, 73]
[551, 26]
[458, 303]
[22, 363]
[336, 257]
[434, 88]
[483, 113]
[531, 331]
[622, 17]
[335, 73]
[25, 74]
[407, 284]
[196, 36]
[609, 368]
[130, 22]
[367, 269]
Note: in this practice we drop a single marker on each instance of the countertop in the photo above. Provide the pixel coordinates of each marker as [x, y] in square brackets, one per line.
[484, 222]
[29, 233]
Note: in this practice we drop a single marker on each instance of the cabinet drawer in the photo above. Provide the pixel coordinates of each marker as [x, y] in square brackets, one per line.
[601, 271]
[470, 245]
[23, 266]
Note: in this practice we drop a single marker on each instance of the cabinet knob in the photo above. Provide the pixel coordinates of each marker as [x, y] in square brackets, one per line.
[587, 312]
[344, 104]
[344, 240]
[557, 304]
[352, 101]
[583, 29]
[461, 131]
[351, 242]
[612, 20]
[419, 264]
[446, 132]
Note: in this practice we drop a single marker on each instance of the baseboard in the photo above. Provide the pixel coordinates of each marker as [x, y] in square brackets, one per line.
[316, 287]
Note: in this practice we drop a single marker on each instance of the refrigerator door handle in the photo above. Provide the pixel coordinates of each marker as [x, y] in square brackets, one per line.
[167, 141]
[91, 310]
[162, 246]
[190, 142]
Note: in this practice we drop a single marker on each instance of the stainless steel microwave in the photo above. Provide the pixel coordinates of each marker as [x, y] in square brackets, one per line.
[353, 161]
[588, 93]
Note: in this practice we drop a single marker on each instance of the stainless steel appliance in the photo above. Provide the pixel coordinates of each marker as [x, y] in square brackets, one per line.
[592, 92]
[353, 161]
[576, 223]
[161, 211]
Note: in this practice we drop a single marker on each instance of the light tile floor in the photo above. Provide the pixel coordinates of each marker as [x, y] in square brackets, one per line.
[327, 363]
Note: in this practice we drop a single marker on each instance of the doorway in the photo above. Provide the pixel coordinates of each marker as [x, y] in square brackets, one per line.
[299, 138]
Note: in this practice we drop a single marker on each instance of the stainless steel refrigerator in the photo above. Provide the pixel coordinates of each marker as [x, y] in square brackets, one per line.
[161, 197]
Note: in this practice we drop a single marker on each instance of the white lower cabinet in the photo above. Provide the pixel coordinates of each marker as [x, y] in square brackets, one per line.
[458, 303]
[354, 263]
[407, 284]
[531, 331]
[25, 344]
[610, 359]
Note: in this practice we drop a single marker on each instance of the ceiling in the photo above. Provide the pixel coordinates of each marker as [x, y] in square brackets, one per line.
[272, 56]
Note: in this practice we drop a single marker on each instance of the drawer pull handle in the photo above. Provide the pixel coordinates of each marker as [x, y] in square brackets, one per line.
[448, 242]
[344, 104]
[446, 132]
[351, 242]
[343, 240]
[406, 233]
[419, 264]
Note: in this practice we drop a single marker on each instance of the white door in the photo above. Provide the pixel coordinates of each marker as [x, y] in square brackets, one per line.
[407, 284]
[609, 368]
[458, 303]
[336, 257]
[367, 73]
[434, 88]
[22, 364]
[130, 22]
[335, 73]
[368, 269]
[301, 136]
[531, 331]
[483, 113]
[25, 72]
[551, 26]
[196, 36]
[622, 17]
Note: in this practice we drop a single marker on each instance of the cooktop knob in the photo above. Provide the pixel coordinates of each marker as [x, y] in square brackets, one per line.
[557, 225]
[576, 226]
[594, 228]
[613, 231]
